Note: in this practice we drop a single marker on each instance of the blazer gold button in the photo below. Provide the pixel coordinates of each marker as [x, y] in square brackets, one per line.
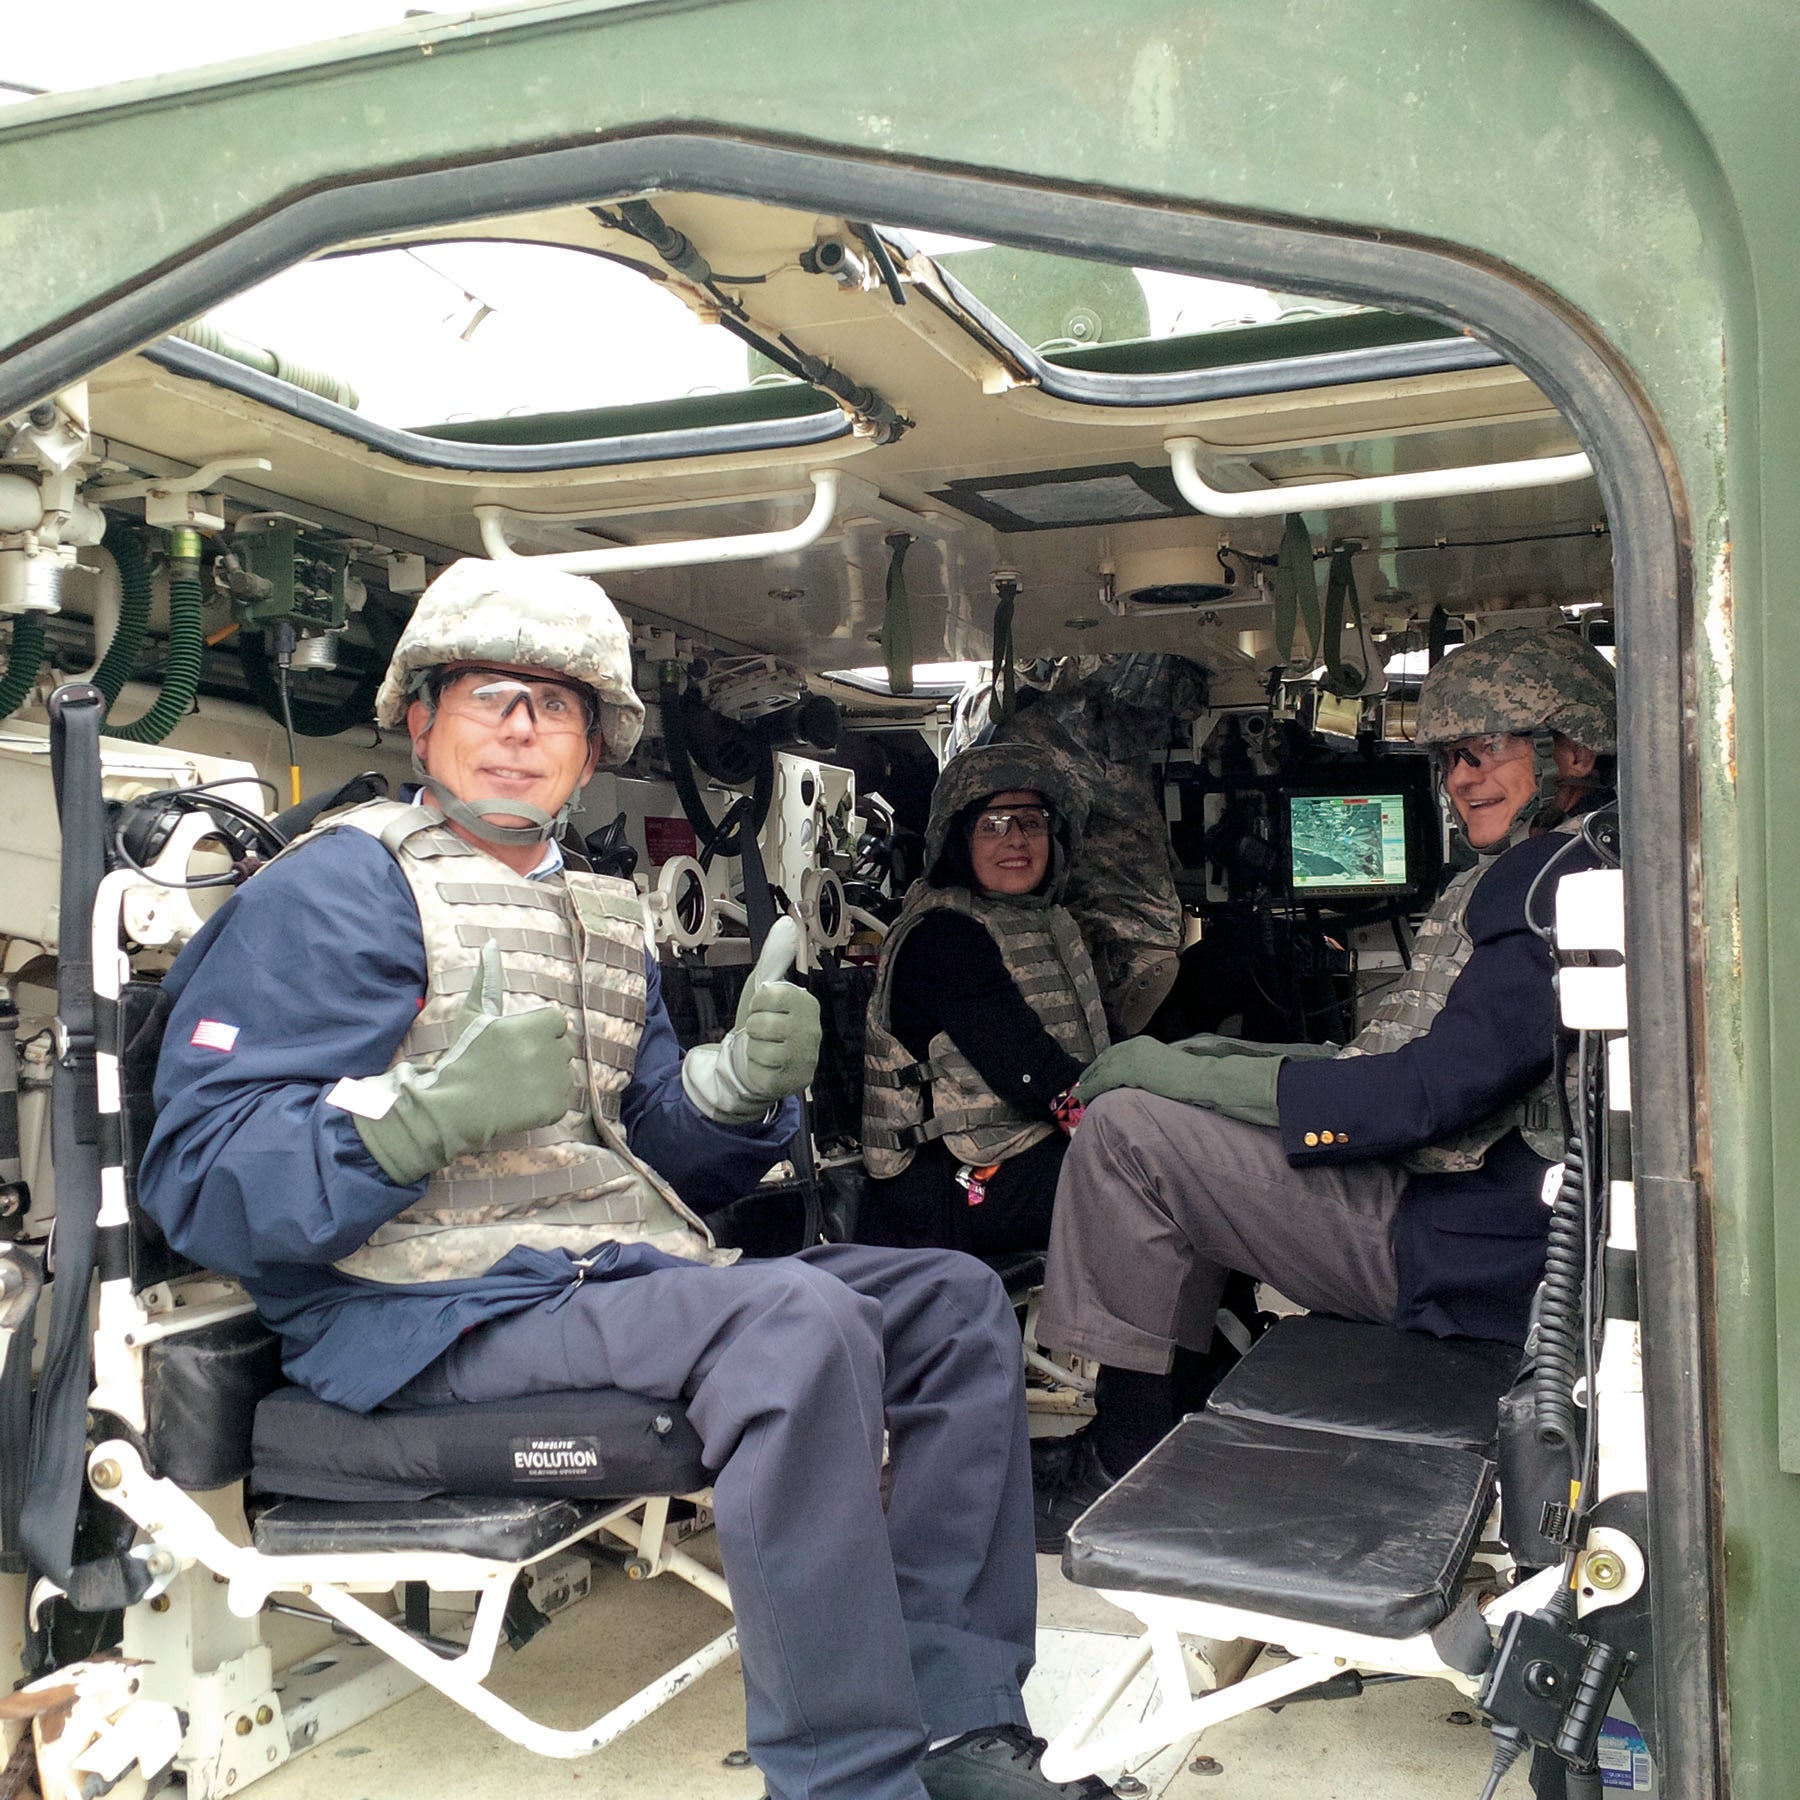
[1325, 1137]
[1312, 1137]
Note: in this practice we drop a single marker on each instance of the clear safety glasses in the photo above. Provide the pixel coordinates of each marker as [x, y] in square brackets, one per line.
[1481, 752]
[1029, 821]
[555, 708]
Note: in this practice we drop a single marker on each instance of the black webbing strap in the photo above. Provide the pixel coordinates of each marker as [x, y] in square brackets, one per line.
[21, 1280]
[896, 622]
[1006, 599]
[724, 838]
[108, 1584]
[916, 1137]
[759, 903]
[15, 1194]
[1296, 591]
[1342, 678]
[55, 1477]
[1437, 636]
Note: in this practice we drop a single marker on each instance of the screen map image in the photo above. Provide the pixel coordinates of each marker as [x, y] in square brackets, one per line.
[1344, 841]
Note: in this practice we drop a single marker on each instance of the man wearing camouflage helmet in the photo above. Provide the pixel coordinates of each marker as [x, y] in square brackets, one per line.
[420, 1094]
[1397, 1180]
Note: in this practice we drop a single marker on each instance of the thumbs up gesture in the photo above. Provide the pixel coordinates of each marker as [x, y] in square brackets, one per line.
[770, 1052]
[503, 1073]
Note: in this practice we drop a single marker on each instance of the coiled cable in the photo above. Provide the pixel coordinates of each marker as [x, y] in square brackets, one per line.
[1560, 1310]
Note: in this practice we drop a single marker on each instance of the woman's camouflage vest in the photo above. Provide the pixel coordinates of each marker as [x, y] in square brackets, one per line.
[1442, 948]
[1044, 954]
[574, 942]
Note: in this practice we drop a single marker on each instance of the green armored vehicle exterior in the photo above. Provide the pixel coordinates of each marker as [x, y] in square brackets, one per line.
[1508, 340]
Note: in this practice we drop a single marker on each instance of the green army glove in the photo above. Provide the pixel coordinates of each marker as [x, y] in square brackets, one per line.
[1209, 1043]
[503, 1073]
[770, 1052]
[1242, 1086]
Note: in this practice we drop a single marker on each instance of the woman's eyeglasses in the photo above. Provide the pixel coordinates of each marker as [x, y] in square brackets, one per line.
[1030, 821]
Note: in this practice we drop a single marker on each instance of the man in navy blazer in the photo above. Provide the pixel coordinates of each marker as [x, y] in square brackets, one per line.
[1397, 1180]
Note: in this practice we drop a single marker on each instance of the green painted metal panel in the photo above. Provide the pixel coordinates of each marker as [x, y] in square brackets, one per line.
[1635, 161]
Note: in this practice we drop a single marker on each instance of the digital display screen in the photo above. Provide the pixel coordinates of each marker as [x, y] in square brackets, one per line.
[1347, 843]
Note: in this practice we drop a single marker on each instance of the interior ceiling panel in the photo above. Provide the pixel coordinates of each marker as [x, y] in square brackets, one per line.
[975, 437]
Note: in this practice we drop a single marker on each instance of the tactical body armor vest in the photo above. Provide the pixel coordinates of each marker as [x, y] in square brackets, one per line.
[575, 942]
[1440, 951]
[907, 1103]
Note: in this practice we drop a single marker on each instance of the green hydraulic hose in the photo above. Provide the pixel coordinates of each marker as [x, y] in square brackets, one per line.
[181, 666]
[23, 662]
[119, 663]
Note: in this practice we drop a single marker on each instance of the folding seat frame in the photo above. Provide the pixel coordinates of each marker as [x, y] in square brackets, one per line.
[1296, 1395]
[181, 1533]
[235, 1726]
[1319, 1653]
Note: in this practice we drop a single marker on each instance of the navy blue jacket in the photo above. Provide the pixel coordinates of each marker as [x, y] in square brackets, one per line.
[1469, 1247]
[315, 970]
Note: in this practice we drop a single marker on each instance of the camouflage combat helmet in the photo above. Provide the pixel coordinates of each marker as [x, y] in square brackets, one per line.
[970, 778]
[1521, 681]
[516, 613]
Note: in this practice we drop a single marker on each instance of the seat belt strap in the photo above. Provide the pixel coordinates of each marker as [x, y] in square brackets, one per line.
[1342, 678]
[896, 622]
[1296, 592]
[21, 1281]
[55, 1479]
[1001, 697]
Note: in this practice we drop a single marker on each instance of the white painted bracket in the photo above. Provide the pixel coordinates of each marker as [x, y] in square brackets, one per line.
[171, 500]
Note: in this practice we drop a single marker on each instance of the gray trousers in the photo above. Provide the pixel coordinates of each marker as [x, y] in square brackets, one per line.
[1159, 1199]
[864, 1635]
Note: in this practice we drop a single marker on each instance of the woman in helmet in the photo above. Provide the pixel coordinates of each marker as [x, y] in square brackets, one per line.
[985, 1012]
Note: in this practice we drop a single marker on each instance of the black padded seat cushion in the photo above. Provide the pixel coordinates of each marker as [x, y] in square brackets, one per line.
[1372, 1381]
[1369, 1535]
[1019, 1270]
[604, 1444]
[201, 1388]
[501, 1530]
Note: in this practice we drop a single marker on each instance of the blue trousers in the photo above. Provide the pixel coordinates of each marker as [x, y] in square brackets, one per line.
[864, 1634]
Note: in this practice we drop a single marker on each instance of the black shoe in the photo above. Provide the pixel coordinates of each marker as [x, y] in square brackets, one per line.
[1065, 1490]
[999, 1763]
[1050, 1456]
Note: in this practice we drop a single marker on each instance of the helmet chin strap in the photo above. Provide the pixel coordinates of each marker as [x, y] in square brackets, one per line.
[1541, 812]
[476, 816]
